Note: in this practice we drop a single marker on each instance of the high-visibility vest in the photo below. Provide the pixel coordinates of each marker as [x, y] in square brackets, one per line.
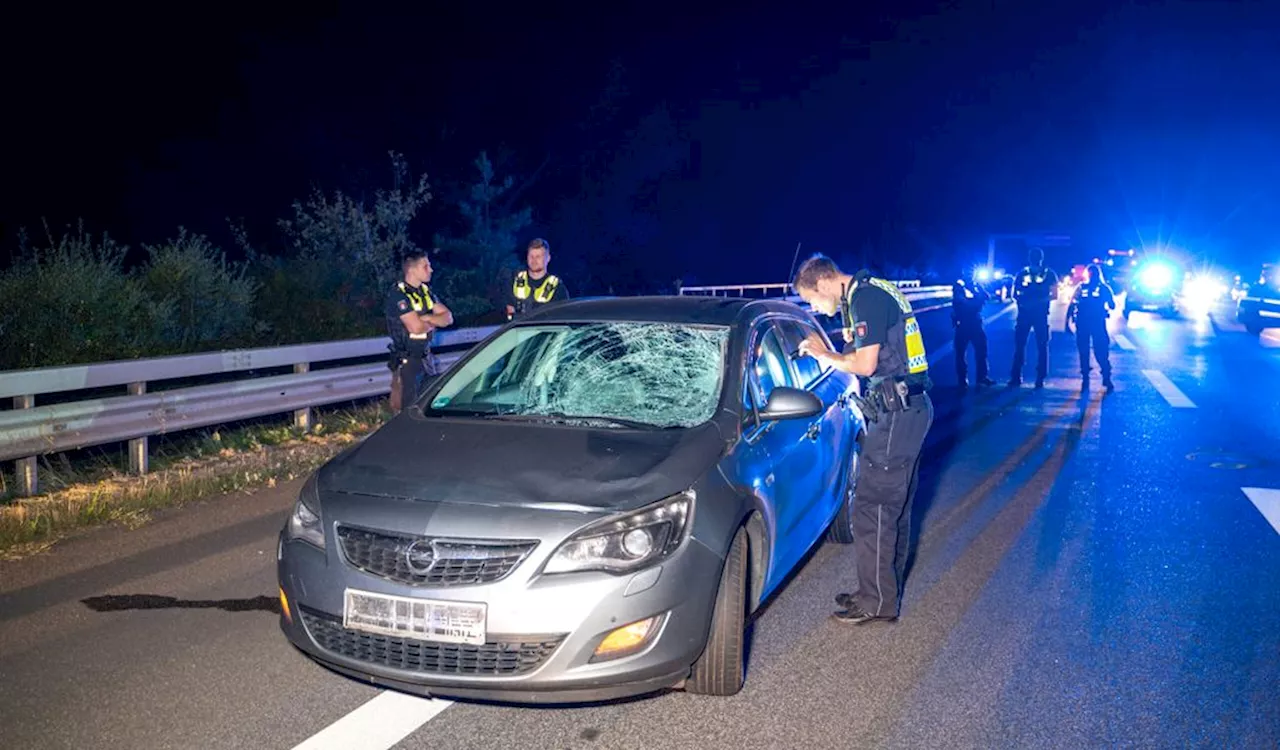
[521, 288]
[419, 302]
[917, 359]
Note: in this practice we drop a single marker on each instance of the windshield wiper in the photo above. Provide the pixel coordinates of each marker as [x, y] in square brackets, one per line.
[618, 421]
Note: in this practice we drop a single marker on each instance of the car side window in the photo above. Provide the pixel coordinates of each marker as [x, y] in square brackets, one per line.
[808, 369]
[768, 366]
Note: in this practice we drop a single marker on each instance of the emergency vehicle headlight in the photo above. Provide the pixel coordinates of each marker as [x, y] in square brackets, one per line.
[1156, 276]
[626, 542]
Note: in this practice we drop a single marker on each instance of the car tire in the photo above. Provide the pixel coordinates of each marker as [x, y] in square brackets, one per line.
[1253, 327]
[841, 531]
[722, 668]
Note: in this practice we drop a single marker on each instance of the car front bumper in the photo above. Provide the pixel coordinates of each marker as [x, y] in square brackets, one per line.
[541, 630]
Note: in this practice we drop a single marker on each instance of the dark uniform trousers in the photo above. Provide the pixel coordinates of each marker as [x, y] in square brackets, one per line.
[411, 374]
[882, 509]
[1029, 320]
[1095, 334]
[970, 332]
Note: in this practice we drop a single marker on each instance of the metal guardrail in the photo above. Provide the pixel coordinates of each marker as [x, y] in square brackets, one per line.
[28, 431]
[742, 289]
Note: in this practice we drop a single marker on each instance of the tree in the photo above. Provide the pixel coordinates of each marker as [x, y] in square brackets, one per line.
[475, 266]
[344, 256]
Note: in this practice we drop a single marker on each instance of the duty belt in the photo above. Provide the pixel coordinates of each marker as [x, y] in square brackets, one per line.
[890, 395]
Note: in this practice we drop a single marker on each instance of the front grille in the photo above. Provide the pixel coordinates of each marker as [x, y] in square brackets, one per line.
[435, 562]
[491, 659]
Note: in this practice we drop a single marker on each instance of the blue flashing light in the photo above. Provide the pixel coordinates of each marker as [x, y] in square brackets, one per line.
[984, 274]
[1156, 276]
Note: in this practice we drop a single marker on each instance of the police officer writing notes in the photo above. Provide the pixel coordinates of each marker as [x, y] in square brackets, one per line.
[1034, 288]
[1090, 308]
[967, 300]
[888, 353]
[533, 286]
[412, 315]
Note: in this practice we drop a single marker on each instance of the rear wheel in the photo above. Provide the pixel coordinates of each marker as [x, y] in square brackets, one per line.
[1254, 327]
[722, 668]
[841, 531]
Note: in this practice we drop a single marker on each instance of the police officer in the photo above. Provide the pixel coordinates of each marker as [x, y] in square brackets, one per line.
[1090, 308]
[413, 314]
[967, 301]
[888, 354]
[1034, 288]
[534, 286]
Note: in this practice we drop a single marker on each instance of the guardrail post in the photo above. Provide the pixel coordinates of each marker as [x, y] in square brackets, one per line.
[138, 452]
[302, 417]
[24, 469]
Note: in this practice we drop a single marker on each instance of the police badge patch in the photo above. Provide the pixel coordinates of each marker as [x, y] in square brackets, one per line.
[861, 329]
[403, 305]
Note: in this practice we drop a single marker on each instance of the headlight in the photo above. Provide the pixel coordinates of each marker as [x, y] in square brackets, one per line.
[624, 543]
[305, 523]
[1156, 276]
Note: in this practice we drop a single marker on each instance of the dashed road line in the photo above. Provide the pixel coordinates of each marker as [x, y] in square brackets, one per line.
[377, 725]
[1124, 343]
[1171, 392]
[1267, 502]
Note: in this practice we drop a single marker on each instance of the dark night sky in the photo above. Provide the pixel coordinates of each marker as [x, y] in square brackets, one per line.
[923, 127]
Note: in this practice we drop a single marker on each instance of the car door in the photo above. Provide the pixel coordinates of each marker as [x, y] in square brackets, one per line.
[777, 461]
[829, 435]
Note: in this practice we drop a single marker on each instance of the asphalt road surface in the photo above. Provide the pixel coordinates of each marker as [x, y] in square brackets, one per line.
[1092, 571]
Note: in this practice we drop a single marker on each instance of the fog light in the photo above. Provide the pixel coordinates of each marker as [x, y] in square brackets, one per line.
[284, 606]
[627, 639]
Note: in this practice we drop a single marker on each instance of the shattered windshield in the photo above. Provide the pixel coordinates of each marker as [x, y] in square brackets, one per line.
[619, 374]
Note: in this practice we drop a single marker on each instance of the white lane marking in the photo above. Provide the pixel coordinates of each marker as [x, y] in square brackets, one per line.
[1171, 392]
[1267, 502]
[947, 346]
[377, 725]
[1124, 343]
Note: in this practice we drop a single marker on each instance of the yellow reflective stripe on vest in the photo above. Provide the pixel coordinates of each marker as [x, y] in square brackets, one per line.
[543, 294]
[917, 359]
[418, 302]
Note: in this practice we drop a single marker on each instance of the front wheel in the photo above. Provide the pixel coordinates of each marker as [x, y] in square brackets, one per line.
[722, 668]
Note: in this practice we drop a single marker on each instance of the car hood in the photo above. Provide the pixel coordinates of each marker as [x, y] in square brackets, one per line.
[514, 464]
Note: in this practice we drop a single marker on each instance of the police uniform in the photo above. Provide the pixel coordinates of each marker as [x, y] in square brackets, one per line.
[1090, 308]
[409, 351]
[527, 293]
[1034, 289]
[899, 413]
[967, 302]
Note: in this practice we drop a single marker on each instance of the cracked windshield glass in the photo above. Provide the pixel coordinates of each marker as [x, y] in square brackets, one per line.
[617, 374]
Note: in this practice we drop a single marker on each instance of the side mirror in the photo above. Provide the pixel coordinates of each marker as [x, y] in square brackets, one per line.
[790, 403]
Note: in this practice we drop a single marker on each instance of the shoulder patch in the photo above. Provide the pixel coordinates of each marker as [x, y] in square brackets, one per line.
[860, 328]
[403, 305]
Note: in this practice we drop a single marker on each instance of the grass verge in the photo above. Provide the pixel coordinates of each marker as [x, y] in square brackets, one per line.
[184, 471]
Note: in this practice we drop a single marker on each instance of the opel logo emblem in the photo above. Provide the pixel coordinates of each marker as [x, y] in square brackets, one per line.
[420, 556]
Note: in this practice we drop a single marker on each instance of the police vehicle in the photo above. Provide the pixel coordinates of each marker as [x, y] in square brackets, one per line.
[1258, 306]
[1153, 284]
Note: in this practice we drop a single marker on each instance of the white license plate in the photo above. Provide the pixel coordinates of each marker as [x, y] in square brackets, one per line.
[419, 619]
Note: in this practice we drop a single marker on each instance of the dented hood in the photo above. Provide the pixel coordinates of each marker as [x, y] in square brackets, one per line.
[517, 464]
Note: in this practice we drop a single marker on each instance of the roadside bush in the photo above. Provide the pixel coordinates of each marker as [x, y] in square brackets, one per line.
[206, 301]
[71, 302]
